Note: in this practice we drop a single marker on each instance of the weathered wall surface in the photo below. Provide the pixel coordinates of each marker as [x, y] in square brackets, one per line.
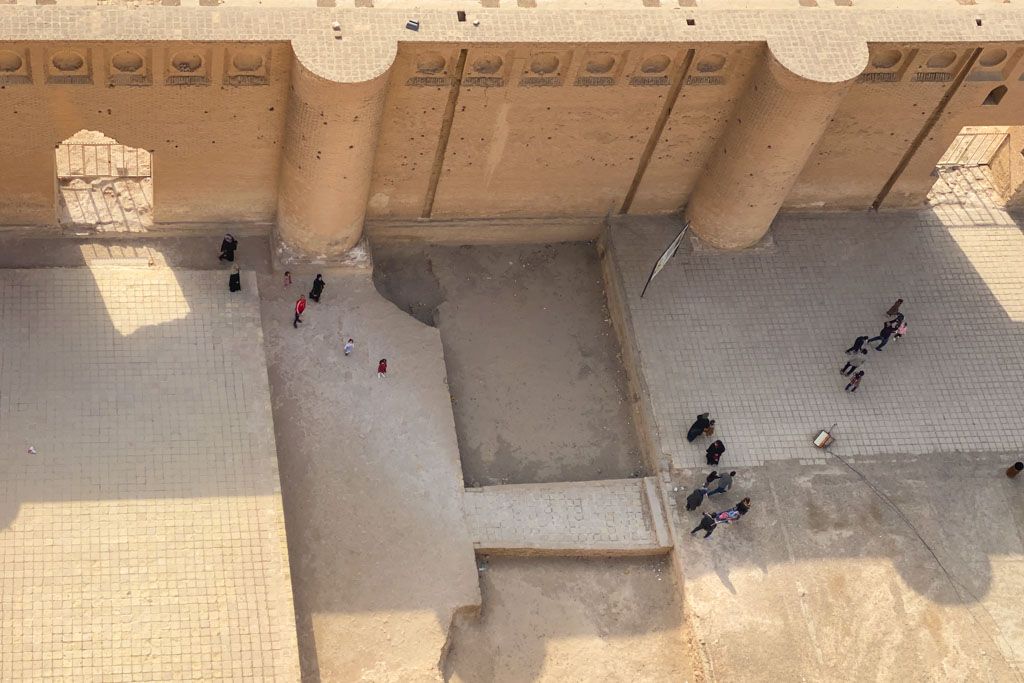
[215, 129]
[1007, 167]
[568, 115]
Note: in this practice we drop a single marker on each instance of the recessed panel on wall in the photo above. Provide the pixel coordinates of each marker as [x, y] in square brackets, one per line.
[432, 68]
[129, 66]
[15, 67]
[545, 68]
[599, 69]
[652, 69]
[69, 66]
[247, 65]
[708, 69]
[188, 66]
[487, 69]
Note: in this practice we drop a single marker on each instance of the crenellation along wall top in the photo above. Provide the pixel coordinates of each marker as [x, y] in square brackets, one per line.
[827, 46]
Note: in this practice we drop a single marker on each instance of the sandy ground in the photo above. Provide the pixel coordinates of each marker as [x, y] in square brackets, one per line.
[538, 387]
[381, 557]
[823, 580]
[569, 619]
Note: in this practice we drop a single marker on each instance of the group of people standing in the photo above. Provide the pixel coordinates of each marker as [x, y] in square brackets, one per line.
[714, 483]
[229, 245]
[857, 355]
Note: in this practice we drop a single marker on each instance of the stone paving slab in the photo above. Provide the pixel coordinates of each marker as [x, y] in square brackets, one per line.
[758, 337]
[614, 516]
[144, 539]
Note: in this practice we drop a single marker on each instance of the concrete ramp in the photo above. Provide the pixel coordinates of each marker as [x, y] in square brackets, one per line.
[617, 516]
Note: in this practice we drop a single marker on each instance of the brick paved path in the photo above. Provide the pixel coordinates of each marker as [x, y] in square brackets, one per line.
[613, 515]
[757, 338]
[144, 540]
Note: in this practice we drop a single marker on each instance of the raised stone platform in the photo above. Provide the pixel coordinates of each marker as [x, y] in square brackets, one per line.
[616, 516]
[143, 539]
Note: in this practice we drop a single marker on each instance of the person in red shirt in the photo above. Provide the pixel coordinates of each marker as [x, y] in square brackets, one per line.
[382, 367]
[300, 306]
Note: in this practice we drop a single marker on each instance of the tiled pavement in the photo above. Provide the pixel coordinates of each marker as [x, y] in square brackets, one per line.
[616, 516]
[144, 538]
[757, 338]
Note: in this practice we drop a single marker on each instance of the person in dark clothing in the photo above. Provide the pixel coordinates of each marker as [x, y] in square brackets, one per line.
[895, 308]
[724, 484]
[318, 288]
[883, 336]
[715, 451]
[897, 321]
[235, 281]
[227, 248]
[695, 498]
[707, 523]
[854, 382]
[857, 343]
[857, 361]
[710, 478]
[701, 425]
[742, 507]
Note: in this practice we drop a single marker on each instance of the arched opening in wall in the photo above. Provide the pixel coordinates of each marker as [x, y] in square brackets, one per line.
[102, 185]
[977, 170]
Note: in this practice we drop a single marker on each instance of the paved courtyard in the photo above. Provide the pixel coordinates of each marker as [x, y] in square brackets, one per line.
[757, 338]
[143, 539]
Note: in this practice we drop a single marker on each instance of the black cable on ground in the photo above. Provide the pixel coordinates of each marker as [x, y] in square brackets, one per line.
[957, 586]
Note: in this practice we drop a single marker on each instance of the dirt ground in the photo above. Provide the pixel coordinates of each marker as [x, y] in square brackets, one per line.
[537, 383]
[572, 619]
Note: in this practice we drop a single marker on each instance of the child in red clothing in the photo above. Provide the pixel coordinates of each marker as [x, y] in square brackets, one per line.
[300, 306]
[382, 367]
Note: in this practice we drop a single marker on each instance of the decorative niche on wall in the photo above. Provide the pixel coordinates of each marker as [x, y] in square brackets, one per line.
[938, 67]
[886, 64]
[545, 68]
[14, 66]
[247, 65]
[652, 69]
[431, 69]
[598, 69]
[486, 69]
[707, 69]
[69, 66]
[188, 66]
[129, 66]
[995, 64]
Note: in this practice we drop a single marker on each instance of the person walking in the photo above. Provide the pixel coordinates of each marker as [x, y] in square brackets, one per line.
[695, 498]
[707, 523]
[714, 452]
[300, 306]
[349, 345]
[227, 248]
[1014, 469]
[743, 507]
[854, 382]
[287, 277]
[235, 280]
[858, 360]
[895, 308]
[900, 331]
[857, 343]
[702, 425]
[883, 336]
[710, 478]
[724, 484]
[382, 368]
[318, 288]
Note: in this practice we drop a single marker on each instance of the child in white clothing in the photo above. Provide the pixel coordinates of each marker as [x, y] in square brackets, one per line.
[349, 345]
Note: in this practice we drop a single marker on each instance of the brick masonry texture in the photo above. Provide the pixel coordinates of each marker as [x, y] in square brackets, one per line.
[757, 338]
[144, 539]
[826, 46]
[579, 517]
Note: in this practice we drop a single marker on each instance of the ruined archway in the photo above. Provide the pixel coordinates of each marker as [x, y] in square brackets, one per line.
[102, 185]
